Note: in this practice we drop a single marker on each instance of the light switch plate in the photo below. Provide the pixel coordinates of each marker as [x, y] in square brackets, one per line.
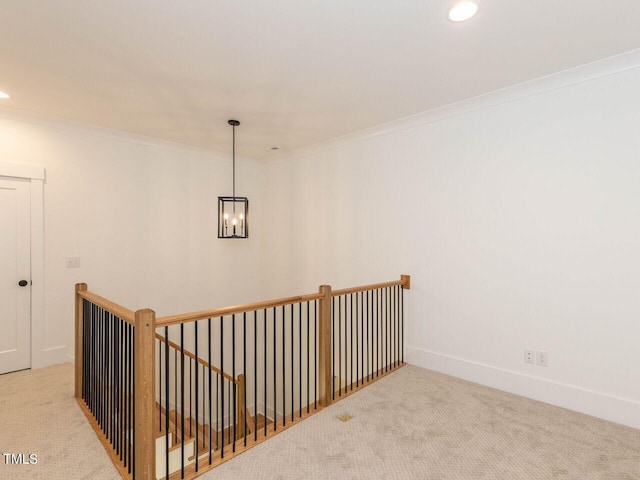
[73, 262]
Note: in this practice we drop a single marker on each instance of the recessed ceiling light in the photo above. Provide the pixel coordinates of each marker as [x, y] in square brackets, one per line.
[274, 148]
[462, 11]
[4, 95]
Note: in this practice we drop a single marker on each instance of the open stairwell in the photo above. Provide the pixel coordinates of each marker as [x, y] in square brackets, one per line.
[173, 397]
[182, 441]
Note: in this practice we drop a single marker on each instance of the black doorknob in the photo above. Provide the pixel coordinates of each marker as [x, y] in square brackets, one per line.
[23, 283]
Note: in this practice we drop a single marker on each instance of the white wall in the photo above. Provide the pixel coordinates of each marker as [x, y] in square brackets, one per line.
[517, 216]
[141, 215]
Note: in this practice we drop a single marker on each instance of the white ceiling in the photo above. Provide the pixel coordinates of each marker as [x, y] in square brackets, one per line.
[294, 72]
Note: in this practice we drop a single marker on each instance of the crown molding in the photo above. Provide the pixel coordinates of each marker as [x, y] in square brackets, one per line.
[556, 81]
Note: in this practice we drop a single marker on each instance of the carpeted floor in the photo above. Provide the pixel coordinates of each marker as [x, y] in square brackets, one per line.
[412, 424]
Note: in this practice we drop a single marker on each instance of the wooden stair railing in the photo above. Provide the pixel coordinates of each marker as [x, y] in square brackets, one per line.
[333, 381]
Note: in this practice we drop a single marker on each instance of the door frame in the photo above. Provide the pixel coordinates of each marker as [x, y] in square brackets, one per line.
[40, 355]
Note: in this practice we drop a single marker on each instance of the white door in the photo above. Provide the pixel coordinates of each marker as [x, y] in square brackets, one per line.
[15, 274]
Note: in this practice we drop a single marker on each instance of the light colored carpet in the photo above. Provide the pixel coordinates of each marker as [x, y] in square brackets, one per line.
[39, 414]
[412, 424]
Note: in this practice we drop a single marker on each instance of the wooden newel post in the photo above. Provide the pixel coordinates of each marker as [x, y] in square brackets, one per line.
[324, 348]
[143, 370]
[80, 287]
[406, 279]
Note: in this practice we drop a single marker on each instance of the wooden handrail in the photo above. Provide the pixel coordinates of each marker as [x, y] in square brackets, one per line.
[119, 311]
[192, 356]
[129, 316]
[403, 282]
[226, 311]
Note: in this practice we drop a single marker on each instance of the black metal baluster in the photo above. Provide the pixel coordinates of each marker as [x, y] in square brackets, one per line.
[308, 336]
[395, 325]
[402, 324]
[109, 378]
[233, 374]
[133, 397]
[315, 354]
[204, 408]
[125, 385]
[357, 348]
[182, 397]
[293, 387]
[360, 305]
[218, 435]
[85, 360]
[255, 376]
[351, 351]
[210, 391]
[389, 329]
[91, 355]
[166, 403]
[99, 359]
[94, 361]
[125, 398]
[222, 382]
[99, 372]
[300, 360]
[339, 346]
[103, 369]
[116, 384]
[385, 335]
[380, 339]
[367, 320]
[392, 333]
[175, 383]
[333, 348]
[377, 332]
[284, 375]
[195, 333]
[159, 383]
[190, 361]
[244, 370]
[105, 374]
[91, 364]
[123, 389]
[275, 380]
[265, 371]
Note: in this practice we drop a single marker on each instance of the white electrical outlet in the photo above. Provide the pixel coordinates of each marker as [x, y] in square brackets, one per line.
[72, 262]
[529, 356]
[542, 359]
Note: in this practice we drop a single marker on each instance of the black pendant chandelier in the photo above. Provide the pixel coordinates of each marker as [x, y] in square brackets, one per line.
[233, 212]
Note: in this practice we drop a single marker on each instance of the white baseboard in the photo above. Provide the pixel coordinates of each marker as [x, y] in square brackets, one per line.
[601, 405]
[50, 356]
